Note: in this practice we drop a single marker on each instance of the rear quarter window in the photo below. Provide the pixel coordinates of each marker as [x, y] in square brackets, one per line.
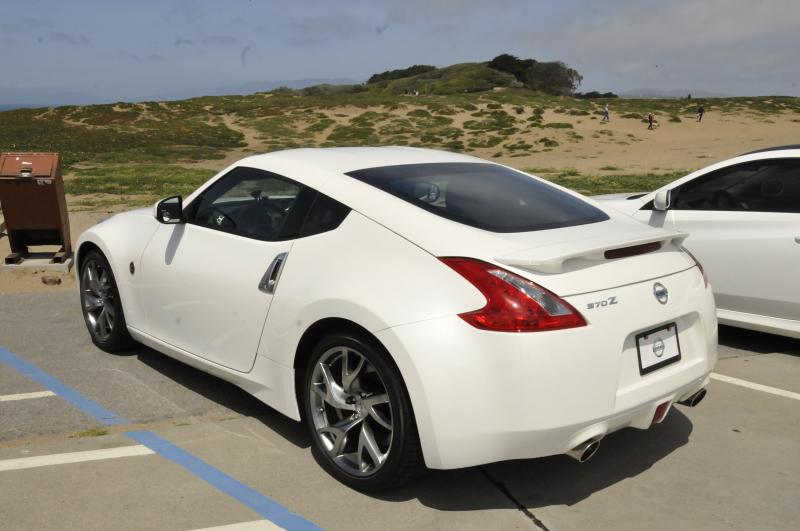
[485, 196]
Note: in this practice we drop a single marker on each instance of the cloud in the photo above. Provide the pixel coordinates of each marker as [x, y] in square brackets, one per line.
[334, 26]
[218, 40]
[26, 24]
[180, 41]
[190, 10]
[727, 46]
[244, 53]
[155, 58]
[124, 54]
[72, 39]
[680, 25]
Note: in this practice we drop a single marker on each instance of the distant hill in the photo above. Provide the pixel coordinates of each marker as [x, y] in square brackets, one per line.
[130, 154]
[460, 78]
[32, 97]
[649, 93]
[504, 71]
[250, 87]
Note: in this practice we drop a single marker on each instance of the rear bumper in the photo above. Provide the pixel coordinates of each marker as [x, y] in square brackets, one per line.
[481, 397]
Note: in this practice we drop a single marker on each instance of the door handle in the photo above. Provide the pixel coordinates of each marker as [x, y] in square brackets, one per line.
[272, 275]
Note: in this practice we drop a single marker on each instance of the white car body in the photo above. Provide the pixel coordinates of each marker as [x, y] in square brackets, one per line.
[751, 252]
[478, 396]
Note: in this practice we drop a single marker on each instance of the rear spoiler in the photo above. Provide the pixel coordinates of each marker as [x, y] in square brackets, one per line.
[551, 258]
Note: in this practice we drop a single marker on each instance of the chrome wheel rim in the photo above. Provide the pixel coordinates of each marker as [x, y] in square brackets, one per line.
[351, 411]
[97, 297]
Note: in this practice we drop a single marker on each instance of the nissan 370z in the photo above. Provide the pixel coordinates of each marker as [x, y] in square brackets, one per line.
[413, 308]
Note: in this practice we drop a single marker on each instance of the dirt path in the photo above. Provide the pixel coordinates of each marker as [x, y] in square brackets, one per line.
[252, 139]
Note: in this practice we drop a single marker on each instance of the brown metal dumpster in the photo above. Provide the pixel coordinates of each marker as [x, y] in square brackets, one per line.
[33, 203]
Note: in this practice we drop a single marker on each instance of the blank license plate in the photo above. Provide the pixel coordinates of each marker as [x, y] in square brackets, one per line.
[658, 347]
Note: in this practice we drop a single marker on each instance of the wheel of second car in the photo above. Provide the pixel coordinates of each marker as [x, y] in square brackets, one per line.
[359, 415]
[100, 302]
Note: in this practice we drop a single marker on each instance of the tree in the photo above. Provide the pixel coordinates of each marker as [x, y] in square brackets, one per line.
[512, 65]
[400, 73]
[553, 78]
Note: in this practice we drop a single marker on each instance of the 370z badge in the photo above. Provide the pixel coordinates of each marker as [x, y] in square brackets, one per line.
[607, 302]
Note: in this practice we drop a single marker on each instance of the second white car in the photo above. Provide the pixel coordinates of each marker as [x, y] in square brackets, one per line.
[743, 220]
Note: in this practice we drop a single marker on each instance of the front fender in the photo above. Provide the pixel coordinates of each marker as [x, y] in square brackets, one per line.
[122, 239]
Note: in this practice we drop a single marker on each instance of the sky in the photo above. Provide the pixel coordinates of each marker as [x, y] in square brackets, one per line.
[111, 50]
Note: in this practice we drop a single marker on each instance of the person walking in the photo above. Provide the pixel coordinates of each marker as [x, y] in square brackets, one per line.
[651, 121]
[700, 112]
[606, 117]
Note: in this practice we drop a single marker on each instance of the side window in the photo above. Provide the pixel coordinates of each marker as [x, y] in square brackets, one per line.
[325, 214]
[252, 203]
[760, 186]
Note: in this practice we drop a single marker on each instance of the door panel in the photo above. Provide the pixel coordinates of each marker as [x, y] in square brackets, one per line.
[200, 291]
[751, 258]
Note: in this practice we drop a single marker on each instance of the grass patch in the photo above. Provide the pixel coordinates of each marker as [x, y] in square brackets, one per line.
[91, 432]
[548, 142]
[145, 181]
[557, 125]
[611, 184]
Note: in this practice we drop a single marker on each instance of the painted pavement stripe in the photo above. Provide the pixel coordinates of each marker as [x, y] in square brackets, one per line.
[253, 499]
[26, 396]
[259, 503]
[755, 386]
[257, 525]
[36, 461]
[87, 405]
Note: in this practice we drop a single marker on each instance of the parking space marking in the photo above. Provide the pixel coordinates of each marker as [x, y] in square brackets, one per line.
[261, 504]
[257, 525]
[26, 396]
[36, 461]
[88, 406]
[755, 386]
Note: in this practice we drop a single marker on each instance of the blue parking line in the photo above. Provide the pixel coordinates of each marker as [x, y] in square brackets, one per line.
[87, 405]
[263, 505]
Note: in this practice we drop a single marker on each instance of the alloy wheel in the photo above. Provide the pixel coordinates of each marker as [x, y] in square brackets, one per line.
[351, 411]
[97, 297]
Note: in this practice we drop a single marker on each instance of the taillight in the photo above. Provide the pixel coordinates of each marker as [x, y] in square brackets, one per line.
[699, 265]
[513, 303]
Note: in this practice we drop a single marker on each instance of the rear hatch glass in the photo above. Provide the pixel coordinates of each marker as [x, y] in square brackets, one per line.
[485, 196]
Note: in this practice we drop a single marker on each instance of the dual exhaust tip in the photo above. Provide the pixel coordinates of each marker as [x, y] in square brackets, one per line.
[586, 450]
[694, 399]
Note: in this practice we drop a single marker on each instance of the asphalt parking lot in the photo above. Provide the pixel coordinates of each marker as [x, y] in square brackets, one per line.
[90, 440]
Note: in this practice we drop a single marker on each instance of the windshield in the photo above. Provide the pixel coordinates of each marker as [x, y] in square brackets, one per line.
[485, 196]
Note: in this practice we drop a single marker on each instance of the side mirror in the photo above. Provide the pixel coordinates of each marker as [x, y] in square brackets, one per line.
[170, 210]
[661, 201]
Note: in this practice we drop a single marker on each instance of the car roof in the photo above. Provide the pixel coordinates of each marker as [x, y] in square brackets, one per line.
[777, 148]
[325, 169]
[346, 159]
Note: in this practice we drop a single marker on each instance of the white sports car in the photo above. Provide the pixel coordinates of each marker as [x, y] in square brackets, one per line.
[412, 307]
[743, 220]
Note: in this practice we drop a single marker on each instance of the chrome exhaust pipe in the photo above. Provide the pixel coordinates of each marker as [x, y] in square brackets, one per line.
[584, 451]
[694, 399]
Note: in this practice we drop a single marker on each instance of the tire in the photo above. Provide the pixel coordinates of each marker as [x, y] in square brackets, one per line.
[365, 414]
[101, 305]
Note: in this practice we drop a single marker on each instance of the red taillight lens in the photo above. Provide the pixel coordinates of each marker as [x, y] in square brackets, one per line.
[513, 303]
[699, 265]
